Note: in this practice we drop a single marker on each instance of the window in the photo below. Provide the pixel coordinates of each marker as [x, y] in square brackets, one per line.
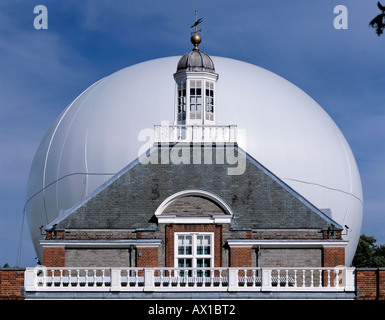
[209, 103]
[195, 99]
[194, 251]
[181, 101]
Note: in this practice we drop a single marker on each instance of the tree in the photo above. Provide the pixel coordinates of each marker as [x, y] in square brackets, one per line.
[368, 254]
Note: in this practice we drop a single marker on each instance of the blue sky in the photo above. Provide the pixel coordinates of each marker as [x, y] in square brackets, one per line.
[42, 71]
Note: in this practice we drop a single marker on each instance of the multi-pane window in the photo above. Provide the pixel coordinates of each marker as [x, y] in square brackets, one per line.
[195, 99]
[194, 251]
[181, 101]
[209, 103]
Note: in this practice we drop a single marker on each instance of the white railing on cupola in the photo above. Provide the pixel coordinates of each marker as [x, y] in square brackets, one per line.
[41, 279]
[195, 134]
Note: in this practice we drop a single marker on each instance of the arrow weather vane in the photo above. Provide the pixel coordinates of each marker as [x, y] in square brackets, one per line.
[195, 25]
[379, 21]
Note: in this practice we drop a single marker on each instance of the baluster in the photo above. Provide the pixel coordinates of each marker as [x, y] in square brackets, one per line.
[86, 284]
[53, 277]
[320, 278]
[161, 277]
[44, 277]
[278, 278]
[69, 277]
[303, 278]
[295, 278]
[287, 278]
[311, 278]
[245, 277]
[136, 277]
[211, 276]
[220, 277]
[61, 278]
[78, 276]
[174, 133]
[95, 284]
[204, 277]
[254, 278]
[336, 279]
[328, 278]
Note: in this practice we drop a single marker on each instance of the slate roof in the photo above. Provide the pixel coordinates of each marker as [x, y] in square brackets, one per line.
[258, 198]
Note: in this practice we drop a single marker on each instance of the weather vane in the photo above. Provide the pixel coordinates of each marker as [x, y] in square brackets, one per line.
[197, 22]
[196, 38]
[379, 21]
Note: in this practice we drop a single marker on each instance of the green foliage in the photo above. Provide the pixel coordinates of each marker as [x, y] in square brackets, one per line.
[368, 254]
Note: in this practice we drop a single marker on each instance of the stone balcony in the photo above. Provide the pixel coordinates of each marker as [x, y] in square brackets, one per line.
[128, 283]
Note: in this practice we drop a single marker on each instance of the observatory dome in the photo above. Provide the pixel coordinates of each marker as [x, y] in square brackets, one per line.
[101, 132]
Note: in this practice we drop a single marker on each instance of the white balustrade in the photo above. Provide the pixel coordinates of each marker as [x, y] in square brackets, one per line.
[190, 279]
[195, 133]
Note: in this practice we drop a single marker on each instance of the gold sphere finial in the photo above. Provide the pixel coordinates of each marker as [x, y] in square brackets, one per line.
[196, 40]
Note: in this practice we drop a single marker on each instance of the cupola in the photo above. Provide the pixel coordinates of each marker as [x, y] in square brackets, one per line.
[195, 79]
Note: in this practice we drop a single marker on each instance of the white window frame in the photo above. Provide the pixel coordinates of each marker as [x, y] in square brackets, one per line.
[209, 101]
[194, 256]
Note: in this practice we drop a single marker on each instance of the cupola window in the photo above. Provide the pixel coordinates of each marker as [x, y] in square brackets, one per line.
[182, 101]
[209, 105]
[195, 99]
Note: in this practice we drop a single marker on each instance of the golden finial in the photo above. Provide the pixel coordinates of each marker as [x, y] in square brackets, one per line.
[196, 38]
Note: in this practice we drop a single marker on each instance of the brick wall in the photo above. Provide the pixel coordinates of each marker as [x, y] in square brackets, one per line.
[54, 256]
[333, 257]
[147, 257]
[371, 283]
[240, 257]
[11, 281]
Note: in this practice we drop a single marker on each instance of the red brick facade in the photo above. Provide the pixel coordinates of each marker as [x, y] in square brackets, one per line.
[11, 281]
[333, 257]
[54, 256]
[371, 283]
[240, 257]
[147, 257]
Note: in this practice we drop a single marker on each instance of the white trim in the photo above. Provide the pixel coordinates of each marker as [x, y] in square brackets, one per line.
[151, 243]
[286, 243]
[175, 219]
[226, 218]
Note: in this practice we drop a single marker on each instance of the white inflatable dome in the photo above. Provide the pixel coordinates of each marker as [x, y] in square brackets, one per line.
[287, 131]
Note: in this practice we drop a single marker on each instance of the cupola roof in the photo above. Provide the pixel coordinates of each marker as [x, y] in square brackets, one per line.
[196, 60]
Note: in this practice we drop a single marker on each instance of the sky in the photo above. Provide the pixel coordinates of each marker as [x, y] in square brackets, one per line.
[43, 70]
